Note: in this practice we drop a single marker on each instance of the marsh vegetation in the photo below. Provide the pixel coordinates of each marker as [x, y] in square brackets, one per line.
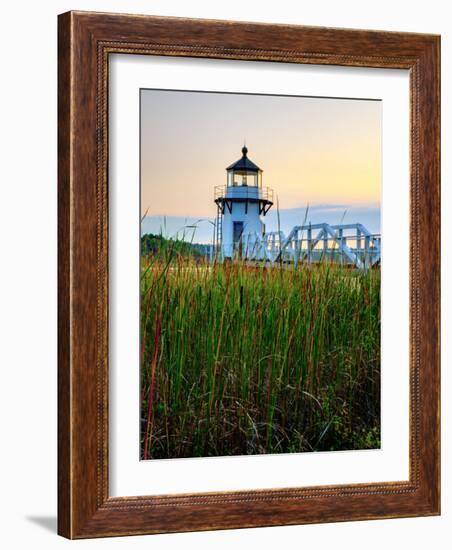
[240, 359]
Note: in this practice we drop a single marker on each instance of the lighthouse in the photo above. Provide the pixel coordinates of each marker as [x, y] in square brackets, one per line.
[241, 208]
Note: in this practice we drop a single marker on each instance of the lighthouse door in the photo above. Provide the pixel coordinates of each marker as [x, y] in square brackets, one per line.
[237, 237]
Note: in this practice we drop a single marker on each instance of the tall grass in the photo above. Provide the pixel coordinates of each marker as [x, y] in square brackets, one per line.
[240, 359]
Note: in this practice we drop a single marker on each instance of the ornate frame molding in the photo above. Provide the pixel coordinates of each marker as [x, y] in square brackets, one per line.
[85, 42]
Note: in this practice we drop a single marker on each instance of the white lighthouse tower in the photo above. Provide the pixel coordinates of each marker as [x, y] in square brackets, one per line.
[241, 205]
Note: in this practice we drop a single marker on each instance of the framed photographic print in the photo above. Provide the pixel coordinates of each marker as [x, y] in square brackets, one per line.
[248, 275]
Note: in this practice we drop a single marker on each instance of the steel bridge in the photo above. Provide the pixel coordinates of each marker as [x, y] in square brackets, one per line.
[346, 244]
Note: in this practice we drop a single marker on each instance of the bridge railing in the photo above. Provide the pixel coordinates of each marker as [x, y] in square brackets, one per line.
[347, 244]
[314, 242]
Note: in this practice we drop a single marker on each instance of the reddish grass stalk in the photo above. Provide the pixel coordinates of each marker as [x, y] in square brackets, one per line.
[147, 439]
[143, 338]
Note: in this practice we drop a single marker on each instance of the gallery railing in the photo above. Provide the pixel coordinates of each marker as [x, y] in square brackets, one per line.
[243, 192]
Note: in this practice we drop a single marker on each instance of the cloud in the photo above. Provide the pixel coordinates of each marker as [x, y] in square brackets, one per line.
[333, 214]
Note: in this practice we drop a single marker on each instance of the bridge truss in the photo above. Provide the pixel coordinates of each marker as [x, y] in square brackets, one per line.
[346, 244]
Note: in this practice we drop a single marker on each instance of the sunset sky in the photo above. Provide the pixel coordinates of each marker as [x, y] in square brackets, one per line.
[321, 152]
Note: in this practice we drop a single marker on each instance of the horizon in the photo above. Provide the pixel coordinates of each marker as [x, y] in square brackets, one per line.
[175, 226]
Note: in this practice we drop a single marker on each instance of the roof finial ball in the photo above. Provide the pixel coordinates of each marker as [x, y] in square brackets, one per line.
[244, 150]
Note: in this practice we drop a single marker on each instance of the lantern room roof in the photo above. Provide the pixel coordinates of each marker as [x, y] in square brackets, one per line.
[244, 163]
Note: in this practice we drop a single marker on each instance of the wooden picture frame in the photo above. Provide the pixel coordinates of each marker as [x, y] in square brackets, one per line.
[85, 42]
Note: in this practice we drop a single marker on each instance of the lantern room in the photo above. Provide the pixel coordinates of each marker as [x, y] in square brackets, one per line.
[244, 173]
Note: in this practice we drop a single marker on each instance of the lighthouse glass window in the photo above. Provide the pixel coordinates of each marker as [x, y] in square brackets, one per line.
[260, 274]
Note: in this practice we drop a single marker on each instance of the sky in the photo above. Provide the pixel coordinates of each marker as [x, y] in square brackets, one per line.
[321, 156]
